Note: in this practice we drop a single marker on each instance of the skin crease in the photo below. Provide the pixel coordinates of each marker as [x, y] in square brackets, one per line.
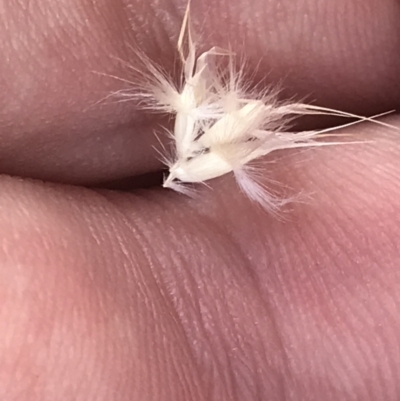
[148, 295]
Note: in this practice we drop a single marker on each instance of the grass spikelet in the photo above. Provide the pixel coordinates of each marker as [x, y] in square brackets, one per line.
[222, 124]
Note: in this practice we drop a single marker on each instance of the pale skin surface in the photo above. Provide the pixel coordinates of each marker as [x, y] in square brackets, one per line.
[149, 295]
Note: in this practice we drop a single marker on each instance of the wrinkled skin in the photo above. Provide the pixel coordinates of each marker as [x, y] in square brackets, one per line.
[149, 295]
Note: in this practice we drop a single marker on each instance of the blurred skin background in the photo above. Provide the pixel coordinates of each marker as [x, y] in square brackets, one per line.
[148, 295]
